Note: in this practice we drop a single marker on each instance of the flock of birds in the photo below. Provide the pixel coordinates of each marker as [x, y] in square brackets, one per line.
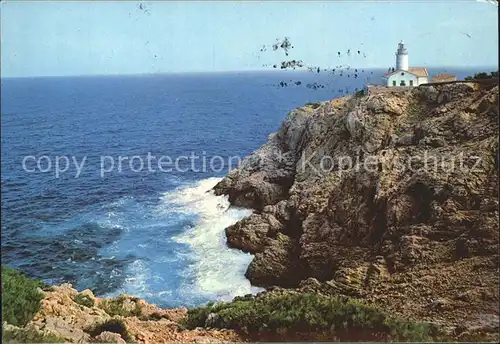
[285, 45]
[342, 70]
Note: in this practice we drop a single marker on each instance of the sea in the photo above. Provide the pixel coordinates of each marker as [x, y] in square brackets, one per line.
[81, 204]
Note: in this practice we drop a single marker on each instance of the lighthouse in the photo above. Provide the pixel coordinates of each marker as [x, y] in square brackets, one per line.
[401, 57]
[403, 75]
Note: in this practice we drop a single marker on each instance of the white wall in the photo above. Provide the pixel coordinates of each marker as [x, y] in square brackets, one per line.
[422, 80]
[402, 76]
[402, 62]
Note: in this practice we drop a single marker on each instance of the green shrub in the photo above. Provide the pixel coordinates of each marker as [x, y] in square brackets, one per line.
[111, 325]
[28, 335]
[20, 297]
[482, 76]
[313, 105]
[84, 300]
[155, 316]
[305, 313]
[117, 306]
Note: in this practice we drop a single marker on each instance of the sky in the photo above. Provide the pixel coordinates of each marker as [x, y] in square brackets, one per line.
[124, 37]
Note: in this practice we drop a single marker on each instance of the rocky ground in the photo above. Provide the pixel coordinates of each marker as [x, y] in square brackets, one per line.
[390, 197]
[124, 319]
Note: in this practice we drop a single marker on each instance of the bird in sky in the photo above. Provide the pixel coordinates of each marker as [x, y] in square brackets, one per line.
[143, 8]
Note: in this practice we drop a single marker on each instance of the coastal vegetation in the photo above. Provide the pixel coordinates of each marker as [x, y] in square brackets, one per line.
[290, 313]
[313, 105]
[122, 305]
[12, 334]
[482, 76]
[84, 300]
[21, 300]
[21, 297]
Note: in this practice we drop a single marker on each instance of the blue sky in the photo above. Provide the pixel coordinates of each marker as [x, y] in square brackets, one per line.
[95, 37]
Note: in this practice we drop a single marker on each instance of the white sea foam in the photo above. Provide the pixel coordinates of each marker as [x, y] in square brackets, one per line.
[216, 270]
[136, 282]
[187, 269]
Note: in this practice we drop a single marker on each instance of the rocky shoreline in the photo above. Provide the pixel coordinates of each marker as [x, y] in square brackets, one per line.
[67, 315]
[420, 240]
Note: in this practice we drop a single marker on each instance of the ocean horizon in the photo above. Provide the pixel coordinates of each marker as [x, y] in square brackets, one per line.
[435, 69]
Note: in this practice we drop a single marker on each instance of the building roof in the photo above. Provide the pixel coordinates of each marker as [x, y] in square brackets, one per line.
[441, 77]
[417, 71]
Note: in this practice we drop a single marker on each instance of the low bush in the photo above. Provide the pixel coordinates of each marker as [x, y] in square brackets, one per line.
[360, 93]
[482, 76]
[28, 335]
[122, 305]
[305, 313]
[313, 105]
[84, 300]
[155, 316]
[20, 297]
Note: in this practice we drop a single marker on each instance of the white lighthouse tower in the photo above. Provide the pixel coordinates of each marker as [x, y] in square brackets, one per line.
[403, 75]
[402, 57]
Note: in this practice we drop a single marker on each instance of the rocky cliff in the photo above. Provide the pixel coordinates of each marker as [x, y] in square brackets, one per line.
[390, 196]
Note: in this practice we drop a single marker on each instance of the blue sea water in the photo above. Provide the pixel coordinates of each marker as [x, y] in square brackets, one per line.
[157, 235]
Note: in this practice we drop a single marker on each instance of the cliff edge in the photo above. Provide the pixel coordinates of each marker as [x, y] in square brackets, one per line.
[391, 197]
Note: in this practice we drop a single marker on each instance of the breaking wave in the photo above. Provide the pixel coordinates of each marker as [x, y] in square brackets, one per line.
[215, 270]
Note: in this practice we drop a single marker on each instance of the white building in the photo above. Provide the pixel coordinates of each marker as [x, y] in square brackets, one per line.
[403, 75]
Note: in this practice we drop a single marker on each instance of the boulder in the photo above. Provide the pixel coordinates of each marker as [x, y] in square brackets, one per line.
[109, 337]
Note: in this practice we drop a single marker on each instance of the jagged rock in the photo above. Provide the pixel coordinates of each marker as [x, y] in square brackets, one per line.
[375, 104]
[405, 140]
[109, 337]
[253, 233]
[434, 142]
[63, 328]
[310, 284]
[348, 281]
[59, 302]
[88, 293]
[452, 92]
[265, 176]
[354, 124]
[429, 93]
[276, 264]
[128, 303]
[440, 304]
[280, 210]
[483, 323]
